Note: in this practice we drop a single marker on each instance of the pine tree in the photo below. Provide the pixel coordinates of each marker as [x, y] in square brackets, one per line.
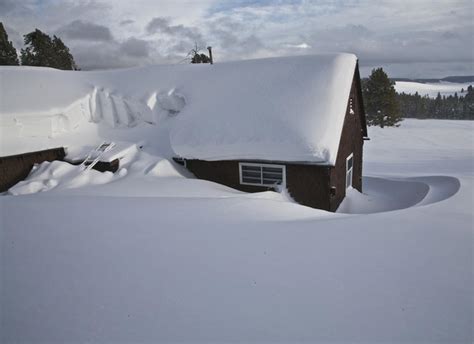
[8, 55]
[41, 50]
[38, 51]
[380, 100]
[468, 105]
[200, 58]
[63, 58]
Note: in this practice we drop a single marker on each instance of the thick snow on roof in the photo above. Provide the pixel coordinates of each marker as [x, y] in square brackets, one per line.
[285, 109]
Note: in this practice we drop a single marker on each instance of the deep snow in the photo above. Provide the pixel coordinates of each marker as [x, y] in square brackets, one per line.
[155, 256]
[150, 254]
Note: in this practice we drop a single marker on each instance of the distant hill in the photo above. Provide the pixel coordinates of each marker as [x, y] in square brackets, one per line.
[457, 79]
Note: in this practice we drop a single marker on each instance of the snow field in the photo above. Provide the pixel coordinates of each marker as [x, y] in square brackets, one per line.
[174, 259]
[431, 89]
[150, 254]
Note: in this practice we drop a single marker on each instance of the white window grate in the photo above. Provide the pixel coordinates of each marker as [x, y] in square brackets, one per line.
[349, 170]
[262, 174]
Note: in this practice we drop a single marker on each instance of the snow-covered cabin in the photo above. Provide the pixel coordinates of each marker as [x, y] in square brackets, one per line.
[291, 122]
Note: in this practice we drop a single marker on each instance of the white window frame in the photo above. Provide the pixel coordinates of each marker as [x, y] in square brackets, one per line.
[349, 170]
[283, 167]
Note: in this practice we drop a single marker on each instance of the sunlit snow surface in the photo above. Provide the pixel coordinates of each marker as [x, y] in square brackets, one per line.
[150, 254]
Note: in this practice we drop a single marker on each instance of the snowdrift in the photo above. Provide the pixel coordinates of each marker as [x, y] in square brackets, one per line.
[388, 194]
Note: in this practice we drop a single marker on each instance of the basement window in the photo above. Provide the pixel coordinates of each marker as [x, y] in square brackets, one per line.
[349, 170]
[262, 174]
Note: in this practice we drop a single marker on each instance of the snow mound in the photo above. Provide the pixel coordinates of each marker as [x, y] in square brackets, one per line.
[382, 195]
[59, 174]
[99, 106]
[171, 102]
[47, 123]
[440, 188]
[163, 168]
[115, 110]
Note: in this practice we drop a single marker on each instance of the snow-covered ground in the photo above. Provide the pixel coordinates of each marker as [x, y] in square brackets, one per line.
[151, 254]
[431, 89]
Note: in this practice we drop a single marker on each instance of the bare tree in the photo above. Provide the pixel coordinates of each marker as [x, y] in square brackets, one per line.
[195, 55]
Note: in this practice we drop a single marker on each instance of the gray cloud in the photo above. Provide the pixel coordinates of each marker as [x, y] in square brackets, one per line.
[126, 22]
[82, 30]
[434, 38]
[163, 25]
[98, 56]
[107, 55]
[135, 47]
[232, 39]
[14, 7]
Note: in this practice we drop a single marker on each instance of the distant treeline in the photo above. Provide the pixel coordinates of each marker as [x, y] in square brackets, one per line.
[451, 107]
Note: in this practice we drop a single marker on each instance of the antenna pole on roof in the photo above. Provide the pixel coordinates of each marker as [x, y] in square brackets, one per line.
[210, 54]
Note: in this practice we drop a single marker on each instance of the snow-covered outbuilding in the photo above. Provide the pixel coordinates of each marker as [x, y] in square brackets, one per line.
[291, 122]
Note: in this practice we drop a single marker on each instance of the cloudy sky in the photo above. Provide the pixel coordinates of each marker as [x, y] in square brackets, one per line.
[409, 38]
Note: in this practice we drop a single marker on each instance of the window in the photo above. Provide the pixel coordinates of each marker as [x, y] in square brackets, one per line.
[349, 169]
[262, 174]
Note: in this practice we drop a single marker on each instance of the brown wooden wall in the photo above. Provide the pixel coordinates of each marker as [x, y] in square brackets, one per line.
[352, 141]
[307, 184]
[15, 168]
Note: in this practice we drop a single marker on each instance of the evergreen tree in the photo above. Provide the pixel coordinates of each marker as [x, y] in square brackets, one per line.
[43, 51]
[380, 100]
[468, 106]
[200, 58]
[63, 59]
[442, 107]
[8, 55]
[38, 50]
[436, 106]
[197, 57]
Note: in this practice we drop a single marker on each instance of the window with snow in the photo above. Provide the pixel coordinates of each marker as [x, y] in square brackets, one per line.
[351, 106]
[262, 174]
[349, 169]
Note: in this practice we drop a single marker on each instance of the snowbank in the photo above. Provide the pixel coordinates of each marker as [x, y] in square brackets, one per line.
[152, 255]
[382, 194]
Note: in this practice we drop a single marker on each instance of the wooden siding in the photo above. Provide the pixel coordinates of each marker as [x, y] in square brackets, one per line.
[352, 141]
[307, 184]
[15, 168]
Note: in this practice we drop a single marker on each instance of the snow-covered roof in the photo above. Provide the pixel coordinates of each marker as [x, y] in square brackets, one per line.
[280, 109]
